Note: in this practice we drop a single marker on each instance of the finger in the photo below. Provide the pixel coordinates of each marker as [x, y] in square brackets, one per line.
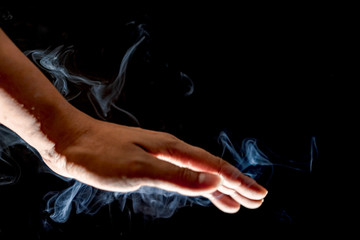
[246, 202]
[242, 183]
[223, 202]
[185, 155]
[167, 176]
[171, 149]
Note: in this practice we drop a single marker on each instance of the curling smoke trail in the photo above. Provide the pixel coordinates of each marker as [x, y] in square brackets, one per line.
[81, 198]
[249, 160]
[10, 170]
[102, 96]
[253, 162]
[149, 201]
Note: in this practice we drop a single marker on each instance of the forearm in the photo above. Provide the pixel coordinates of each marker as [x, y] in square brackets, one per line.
[30, 105]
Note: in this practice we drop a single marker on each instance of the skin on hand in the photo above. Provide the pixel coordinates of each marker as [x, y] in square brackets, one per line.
[120, 158]
[106, 155]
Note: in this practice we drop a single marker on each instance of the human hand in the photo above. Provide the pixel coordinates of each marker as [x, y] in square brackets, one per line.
[119, 158]
[109, 156]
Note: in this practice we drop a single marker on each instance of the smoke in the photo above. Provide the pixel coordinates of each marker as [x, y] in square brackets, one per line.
[149, 201]
[102, 95]
[81, 198]
[10, 170]
[250, 160]
[313, 153]
[106, 95]
[190, 90]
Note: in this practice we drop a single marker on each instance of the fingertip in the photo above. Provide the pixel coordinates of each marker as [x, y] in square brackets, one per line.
[256, 194]
[224, 202]
[251, 189]
[265, 193]
[231, 210]
[259, 192]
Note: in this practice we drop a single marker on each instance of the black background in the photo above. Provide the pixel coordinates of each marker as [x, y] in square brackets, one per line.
[278, 73]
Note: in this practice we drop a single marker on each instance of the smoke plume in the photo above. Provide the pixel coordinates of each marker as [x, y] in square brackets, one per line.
[253, 162]
[249, 159]
[81, 198]
[102, 96]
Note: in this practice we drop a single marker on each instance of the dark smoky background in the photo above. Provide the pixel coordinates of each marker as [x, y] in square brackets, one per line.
[270, 72]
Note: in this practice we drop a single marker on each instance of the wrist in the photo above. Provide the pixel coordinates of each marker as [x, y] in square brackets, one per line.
[31, 106]
[63, 124]
[48, 126]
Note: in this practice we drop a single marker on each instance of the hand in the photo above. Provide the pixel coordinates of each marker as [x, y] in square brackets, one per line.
[119, 158]
[109, 156]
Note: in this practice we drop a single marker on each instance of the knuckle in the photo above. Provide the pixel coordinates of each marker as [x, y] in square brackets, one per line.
[187, 176]
[171, 144]
[221, 165]
[169, 138]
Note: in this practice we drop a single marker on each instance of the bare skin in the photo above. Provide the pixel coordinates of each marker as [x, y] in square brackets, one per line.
[109, 156]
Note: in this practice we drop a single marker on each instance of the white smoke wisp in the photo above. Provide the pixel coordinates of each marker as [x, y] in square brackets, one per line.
[149, 201]
[313, 153]
[10, 170]
[102, 96]
[253, 162]
[250, 160]
[190, 86]
[53, 62]
[105, 95]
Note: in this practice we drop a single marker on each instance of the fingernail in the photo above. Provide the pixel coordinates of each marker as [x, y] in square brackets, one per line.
[251, 183]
